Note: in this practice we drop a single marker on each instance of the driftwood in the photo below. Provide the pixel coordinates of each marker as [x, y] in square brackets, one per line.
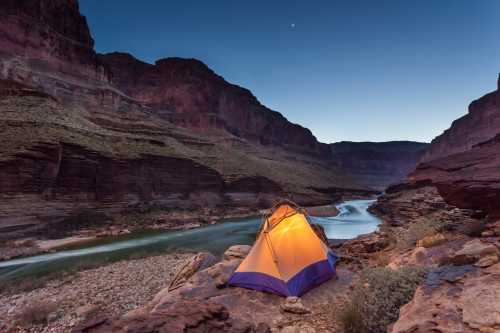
[195, 264]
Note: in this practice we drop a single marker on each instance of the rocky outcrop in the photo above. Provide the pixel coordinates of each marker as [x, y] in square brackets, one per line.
[463, 163]
[470, 179]
[51, 33]
[378, 164]
[47, 45]
[182, 317]
[404, 204]
[206, 295]
[454, 299]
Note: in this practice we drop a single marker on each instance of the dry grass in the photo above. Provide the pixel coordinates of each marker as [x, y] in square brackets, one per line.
[419, 229]
[35, 313]
[432, 240]
[381, 258]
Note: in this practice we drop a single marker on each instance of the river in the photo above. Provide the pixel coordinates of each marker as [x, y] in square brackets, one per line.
[353, 220]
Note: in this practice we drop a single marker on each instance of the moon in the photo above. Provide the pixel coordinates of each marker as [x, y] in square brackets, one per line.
[292, 25]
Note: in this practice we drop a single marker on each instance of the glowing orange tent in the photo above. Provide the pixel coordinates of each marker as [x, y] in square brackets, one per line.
[288, 258]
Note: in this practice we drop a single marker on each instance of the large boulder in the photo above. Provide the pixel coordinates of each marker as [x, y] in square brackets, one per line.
[181, 317]
[471, 252]
[237, 252]
[454, 299]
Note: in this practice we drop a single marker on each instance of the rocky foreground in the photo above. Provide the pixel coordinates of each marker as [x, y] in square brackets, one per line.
[431, 267]
[111, 290]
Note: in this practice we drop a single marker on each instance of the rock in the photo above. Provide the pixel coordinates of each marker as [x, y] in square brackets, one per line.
[221, 272]
[463, 163]
[196, 263]
[110, 128]
[378, 164]
[369, 243]
[450, 274]
[237, 252]
[469, 306]
[488, 233]
[87, 311]
[52, 317]
[322, 211]
[212, 104]
[476, 249]
[183, 316]
[299, 328]
[481, 308]
[479, 125]
[293, 304]
[405, 202]
[487, 261]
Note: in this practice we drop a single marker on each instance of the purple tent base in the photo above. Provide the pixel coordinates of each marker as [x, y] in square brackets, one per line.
[307, 279]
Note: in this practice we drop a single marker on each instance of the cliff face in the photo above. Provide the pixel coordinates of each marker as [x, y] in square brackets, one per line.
[48, 36]
[189, 94]
[105, 133]
[464, 162]
[378, 164]
[480, 124]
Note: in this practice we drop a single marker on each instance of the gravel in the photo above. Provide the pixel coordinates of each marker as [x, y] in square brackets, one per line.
[112, 290]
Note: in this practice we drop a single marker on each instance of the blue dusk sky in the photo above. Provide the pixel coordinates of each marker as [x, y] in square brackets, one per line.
[357, 70]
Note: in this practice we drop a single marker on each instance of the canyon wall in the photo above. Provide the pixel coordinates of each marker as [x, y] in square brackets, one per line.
[378, 164]
[107, 133]
[189, 94]
[464, 162]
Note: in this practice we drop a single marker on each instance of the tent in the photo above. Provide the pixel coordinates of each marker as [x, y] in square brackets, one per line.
[288, 258]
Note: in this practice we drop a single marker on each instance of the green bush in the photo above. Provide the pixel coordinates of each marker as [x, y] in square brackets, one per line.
[377, 297]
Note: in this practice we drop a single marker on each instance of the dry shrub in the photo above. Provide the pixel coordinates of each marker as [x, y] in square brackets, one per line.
[35, 313]
[377, 298]
[381, 258]
[432, 240]
[418, 230]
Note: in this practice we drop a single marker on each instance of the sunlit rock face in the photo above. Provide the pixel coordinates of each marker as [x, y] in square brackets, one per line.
[464, 162]
[378, 164]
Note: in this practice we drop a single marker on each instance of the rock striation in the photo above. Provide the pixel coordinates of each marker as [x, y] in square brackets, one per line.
[378, 164]
[83, 132]
[463, 163]
[188, 93]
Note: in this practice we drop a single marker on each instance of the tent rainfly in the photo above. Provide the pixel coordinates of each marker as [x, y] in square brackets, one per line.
[288, 258]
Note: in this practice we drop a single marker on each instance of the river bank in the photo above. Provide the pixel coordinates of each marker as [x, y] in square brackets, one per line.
[110, 290]
[64, 287]
[54, 237]
[430, 267]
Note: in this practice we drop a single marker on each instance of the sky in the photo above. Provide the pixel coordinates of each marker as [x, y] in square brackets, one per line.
[353, 70]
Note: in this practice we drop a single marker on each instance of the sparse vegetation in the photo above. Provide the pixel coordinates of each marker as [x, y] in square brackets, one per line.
[382, 258]
[36, 313]
[432, 240]
[377, 297]
[473, 228]
[418, 230]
